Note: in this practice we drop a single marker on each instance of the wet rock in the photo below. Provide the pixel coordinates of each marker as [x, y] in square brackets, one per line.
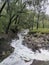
[5, 49]
[27, 60]
[35, 35]
[35, 47]
[36, 42]
[47, 38]
[37, 62]
[17, 37]
[3, 53]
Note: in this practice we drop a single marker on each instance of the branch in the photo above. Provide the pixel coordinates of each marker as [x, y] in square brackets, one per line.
[2, 7]
[3, 15]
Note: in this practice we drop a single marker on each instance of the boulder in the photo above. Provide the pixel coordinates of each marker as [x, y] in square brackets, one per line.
[38, 62]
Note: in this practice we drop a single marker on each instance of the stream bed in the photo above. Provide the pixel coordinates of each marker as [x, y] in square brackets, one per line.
[22, 53]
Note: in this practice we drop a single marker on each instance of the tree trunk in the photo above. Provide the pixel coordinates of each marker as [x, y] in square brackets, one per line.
[16, 18]
[37, 24]
[38, 21]
[43, 24]
[2, 7]
[8, 26]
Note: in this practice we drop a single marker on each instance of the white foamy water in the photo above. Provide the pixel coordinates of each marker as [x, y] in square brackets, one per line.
[22, 53]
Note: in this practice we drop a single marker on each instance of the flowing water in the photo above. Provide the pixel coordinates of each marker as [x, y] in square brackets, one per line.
[22, 53]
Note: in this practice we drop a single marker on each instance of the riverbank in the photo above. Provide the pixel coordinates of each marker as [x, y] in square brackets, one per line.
[23, 55]
[5, 47]
[36, 41]
[37, 62]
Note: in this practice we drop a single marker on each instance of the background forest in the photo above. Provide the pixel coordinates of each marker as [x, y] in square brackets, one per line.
[19, 14]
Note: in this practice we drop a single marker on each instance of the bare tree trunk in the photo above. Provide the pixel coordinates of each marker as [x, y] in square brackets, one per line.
[16, 18]
[10, 20]
[8, 26]
[43, 24]
[2, 7]
[38, 20]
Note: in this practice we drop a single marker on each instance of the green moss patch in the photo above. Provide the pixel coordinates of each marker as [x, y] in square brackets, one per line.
[40, 30]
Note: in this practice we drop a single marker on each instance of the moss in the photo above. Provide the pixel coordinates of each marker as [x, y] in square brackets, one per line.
[40, 30]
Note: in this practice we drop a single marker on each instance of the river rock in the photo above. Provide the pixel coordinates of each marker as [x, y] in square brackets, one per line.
[36, 41]
[38, 62]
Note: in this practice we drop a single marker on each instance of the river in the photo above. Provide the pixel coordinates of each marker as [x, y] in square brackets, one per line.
[22, 53]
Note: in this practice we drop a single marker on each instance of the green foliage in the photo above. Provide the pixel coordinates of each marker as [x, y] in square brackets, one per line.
[15, 14]
[40, 30]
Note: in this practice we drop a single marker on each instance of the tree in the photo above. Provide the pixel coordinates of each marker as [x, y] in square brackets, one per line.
[38, 7]
[15, 12]
[2, 7]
